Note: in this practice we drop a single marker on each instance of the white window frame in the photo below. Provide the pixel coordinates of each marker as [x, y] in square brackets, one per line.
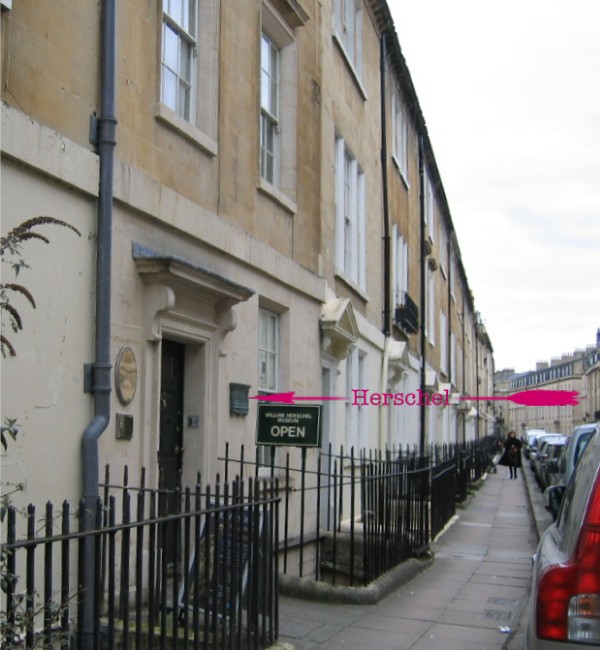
[269, 353]
[429, 207]
[355, 414]
[350, 216]
[200, 127]
[400, 132]
[347, 29]
[280, 183]
[430, 319]
[443, 249]
[443, 342]
[400, 265]
[270, 81]
[453, 375]
[453, 272]
[180, 21]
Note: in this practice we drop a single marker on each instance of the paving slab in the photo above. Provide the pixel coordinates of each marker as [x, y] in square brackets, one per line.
[475, 588]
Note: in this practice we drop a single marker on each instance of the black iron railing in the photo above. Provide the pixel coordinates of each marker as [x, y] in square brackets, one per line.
[349, 517]
[406, 314]
[444, 476]
[197, 568]
[198, 574]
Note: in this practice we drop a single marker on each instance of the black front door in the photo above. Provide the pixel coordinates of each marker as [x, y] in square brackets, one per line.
[170, 450]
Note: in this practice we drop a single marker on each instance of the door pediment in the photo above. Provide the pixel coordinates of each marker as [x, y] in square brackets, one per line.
[168, 276]
[184, 276]
[338, 326]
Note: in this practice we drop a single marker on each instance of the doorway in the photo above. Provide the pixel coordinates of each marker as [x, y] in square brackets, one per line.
[170, 450]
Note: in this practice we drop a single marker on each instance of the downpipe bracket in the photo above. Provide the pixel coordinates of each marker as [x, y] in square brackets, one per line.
[96, 378]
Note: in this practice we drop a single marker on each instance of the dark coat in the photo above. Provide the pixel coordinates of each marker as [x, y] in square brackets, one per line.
[511, 455]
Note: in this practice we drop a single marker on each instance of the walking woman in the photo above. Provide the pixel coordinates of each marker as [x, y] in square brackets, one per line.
[511, 457]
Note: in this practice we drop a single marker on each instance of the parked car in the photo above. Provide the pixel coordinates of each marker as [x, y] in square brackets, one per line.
[564, 607]
[550, 452]
[544, 451]
[530, 436]
[569, 458]
[536, 443]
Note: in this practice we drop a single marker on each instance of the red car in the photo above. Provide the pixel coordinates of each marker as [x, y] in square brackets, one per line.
[564, 608]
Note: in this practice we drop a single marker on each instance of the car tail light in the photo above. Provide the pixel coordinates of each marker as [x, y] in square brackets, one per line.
[568, 603]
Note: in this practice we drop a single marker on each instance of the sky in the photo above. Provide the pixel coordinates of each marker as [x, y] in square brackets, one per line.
[510, 92]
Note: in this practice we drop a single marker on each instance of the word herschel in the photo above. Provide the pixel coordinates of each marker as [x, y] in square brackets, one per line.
[364, 397]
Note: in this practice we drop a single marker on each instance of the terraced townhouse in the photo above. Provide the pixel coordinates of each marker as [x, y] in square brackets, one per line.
[260, 210]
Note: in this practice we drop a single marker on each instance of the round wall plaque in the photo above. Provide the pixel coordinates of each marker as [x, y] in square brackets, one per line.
[126, 375]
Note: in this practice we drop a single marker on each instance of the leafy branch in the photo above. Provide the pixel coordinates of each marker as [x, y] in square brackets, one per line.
[11, 252]
[9, 428]
[26, 609]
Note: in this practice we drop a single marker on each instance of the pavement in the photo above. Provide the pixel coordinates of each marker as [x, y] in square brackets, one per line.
[472, 596]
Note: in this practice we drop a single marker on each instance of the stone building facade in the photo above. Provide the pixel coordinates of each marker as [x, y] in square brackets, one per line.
[254, 237]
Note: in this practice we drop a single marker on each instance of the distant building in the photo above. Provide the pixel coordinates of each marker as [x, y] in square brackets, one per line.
[576, 371]
[591, 382]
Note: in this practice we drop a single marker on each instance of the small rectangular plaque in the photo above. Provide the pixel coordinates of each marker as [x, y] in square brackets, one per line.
[239, 402]
[124, 423]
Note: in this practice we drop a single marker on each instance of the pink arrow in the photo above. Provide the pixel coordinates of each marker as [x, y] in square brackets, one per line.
[539, 397]
[290, 398]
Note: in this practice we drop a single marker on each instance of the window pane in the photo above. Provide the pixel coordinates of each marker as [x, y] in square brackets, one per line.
[272, 372]
[185, 63]
[183, 107]
[262, 369]
[268, 356]
[269, 76]
[268, 143]
[274, 98]
[274, 71]
[169, 89]
[269, 137]
[265, 86]
[273, 333]
[189, 16]
[265, 51]
[269, 168]
[170, 48]
[265, 89]
[262, 330]
[175, 11]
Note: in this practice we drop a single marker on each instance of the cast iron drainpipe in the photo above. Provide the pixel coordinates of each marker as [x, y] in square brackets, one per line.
[386, 212]
[386, 239]
[423, 295]
[101, 377]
